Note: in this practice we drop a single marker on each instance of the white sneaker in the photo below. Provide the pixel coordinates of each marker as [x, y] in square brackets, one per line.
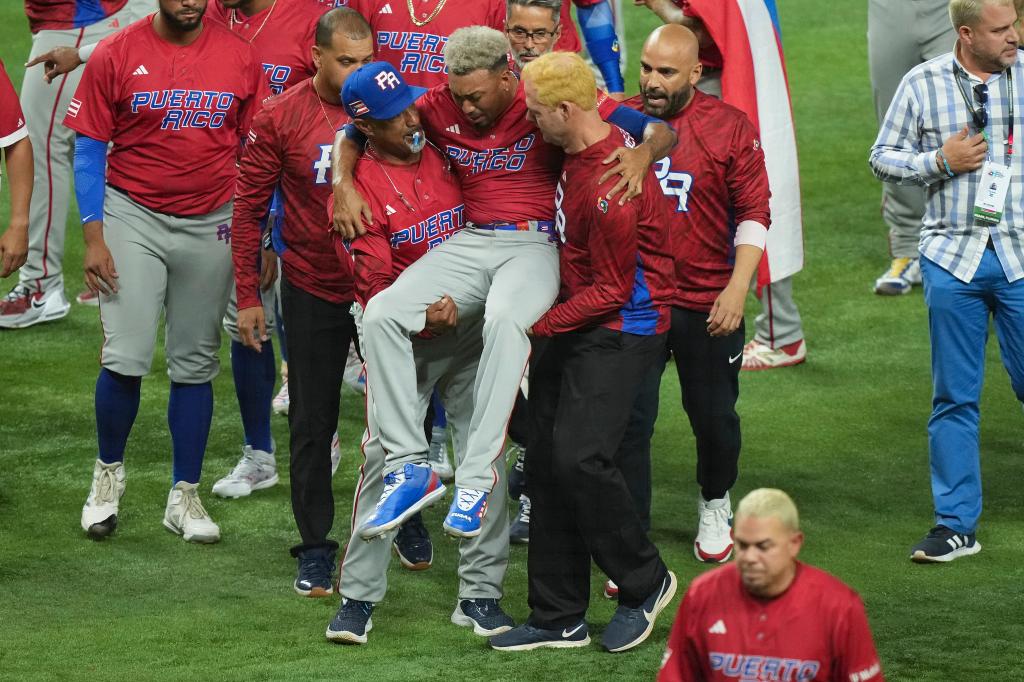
[760, 356]
[99, 515]
[255, 471]
[186, 516]
[714, 530]
[280, 402]
[438, 456]
[354, 376]
[900, 278]
[22, 307]
[335, 453]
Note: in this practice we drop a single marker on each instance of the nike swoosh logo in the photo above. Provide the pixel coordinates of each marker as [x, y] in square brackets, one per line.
[732, 360]
[38, 304]
[566, 633]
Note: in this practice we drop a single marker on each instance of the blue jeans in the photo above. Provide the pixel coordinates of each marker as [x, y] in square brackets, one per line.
[958, 315]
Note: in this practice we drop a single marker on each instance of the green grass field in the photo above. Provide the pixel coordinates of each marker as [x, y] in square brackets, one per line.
[844, 434]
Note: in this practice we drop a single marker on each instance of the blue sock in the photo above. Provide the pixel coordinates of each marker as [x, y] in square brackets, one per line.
[189, 413]
[254, 385]
[440, 418]
[117, 403]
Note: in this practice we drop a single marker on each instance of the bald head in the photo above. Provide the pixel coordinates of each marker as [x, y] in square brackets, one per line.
[669, 68]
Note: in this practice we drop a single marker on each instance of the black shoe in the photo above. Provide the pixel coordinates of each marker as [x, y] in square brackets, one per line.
[629, 627]
[944, 544]
[315, 567]
[412, 545]
[527, 637]
[351, 623]
[483, 615]
[519, 531]
[517, 474]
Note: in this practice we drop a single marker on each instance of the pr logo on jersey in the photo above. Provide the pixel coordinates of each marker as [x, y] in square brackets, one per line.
[674, 183]
[386, 80]
[322, 165]
[224, 233]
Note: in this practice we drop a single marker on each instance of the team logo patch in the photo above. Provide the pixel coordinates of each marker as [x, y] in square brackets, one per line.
[602, 205]
[359, 108]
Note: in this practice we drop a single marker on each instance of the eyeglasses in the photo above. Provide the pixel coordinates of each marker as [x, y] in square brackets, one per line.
[980, 114]
[539, 36]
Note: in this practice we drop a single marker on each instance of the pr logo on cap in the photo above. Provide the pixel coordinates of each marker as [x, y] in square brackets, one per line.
[386, 80]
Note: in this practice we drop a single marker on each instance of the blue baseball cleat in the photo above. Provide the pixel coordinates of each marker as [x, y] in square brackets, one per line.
[466, 513]
[406, 491]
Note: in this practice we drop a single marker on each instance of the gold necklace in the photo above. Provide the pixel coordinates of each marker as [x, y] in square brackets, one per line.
[412, 12]
[233, 19]
[320, 100]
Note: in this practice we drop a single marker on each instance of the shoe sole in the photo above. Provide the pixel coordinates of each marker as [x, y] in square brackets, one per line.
[45, 317]
[553, 644]
[761, 368]
[262, 485]
[920, 557]
[706, 558]
[659, 606]
[886, 290]
[102, 529]
[315, 593]
[456, 533]
[420, 504]
[346, 637]
[409, 565]
[200, 539]
[462, 620]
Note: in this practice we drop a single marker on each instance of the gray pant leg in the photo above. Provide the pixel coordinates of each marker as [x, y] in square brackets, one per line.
[779, 322]
[130, 317]
[269, 300]
[199, 276]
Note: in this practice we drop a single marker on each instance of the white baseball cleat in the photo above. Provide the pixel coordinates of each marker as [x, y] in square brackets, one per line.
[280, 402]
[256, 470]
[186, 516]
[99, 515]
[437, 455]
[714, 530]
[22, 307]
[760, 356]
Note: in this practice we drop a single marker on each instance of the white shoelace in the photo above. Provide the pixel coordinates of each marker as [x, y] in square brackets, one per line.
[193, 507]
[106, 485]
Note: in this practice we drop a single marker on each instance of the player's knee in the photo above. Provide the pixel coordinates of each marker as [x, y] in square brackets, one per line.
[127, 364]
[192, 368]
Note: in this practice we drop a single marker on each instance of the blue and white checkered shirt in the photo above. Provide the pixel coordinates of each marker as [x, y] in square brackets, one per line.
[928, 109]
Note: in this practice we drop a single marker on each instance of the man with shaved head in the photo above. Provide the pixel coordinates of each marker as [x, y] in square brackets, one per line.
[716, 188]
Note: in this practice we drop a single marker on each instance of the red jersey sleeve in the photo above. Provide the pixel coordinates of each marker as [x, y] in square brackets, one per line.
[748, 177]
[374, 270]
[259, 172]
[681, 662]
[856, 659]
[497, 15]
[260, 89]
[12, 121]
[91, 111]
[611, 239]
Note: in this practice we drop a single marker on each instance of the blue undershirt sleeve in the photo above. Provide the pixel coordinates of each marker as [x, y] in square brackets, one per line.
[632, 121]
[90, 177]
[597, 23]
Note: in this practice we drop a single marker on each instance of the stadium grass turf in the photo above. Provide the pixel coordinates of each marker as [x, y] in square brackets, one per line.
[844, 433]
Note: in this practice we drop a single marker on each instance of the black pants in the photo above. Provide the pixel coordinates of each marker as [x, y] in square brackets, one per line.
[582, 386]
[709, 369]
[319, 333]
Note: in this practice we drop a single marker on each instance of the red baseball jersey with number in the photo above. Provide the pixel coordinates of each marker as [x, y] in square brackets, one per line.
[282, 35]
[569, 41]
[12, 121]
[816, 631]
[508, 172]
[616, 261]
[710, 56]
[404, 37]
[713, 180]
[290, 143]
[402, 229]
[60, 15]
[175, 115]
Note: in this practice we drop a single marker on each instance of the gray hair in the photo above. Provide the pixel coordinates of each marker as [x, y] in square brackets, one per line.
[554, 5]
[476, 47]
[968, 12]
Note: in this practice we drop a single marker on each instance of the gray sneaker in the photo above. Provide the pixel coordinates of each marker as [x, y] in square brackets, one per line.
[256, 470]
[437, 456]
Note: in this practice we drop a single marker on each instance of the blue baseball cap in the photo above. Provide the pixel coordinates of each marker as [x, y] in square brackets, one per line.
[377, 91]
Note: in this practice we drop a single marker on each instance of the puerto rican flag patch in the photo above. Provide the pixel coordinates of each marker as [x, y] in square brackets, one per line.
[358, 108]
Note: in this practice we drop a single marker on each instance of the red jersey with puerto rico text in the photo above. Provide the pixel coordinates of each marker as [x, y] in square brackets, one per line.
[417, 51]
[61, 15]
[12, 121]
[616, 261]
[175, 114]
[290, 144]
[282, 35]
[713, 180]
[816, 631]
[402, 230]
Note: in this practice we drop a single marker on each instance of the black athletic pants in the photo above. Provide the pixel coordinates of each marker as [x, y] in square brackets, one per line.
[708, 368]
[582, 386]
[319, 333]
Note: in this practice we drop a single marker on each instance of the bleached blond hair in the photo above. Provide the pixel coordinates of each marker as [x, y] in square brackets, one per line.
[473, 48]
[770, 502]
[562, 77]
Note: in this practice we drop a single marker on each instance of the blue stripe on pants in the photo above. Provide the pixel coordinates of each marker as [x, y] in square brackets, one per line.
[958, 314]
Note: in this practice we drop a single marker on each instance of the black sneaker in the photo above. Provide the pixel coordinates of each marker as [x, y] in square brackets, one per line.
[519, 531]
[483, 615]
[315, 566]
[517, 474]
[412, 545]
[351, 623]
[629, 627]
[944, 544]
[527, 637]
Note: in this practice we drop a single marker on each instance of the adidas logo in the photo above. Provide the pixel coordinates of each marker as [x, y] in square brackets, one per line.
[21, 122]
[389, 210]
[454, 129]
[386, 9]
[73, 107]
[718, 628]
[141, 71]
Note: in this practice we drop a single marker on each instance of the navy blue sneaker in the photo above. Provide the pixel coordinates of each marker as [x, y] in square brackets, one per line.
[526, 637]
[466, 513]
[406, 491]
[314, 578]
[629, 627]
[483, 615]
[519, 531]
[351, 623]
[517, 474]
[944, 544]
[412, 545]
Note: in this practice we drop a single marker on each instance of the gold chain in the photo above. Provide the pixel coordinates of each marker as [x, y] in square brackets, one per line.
[233, 19]
[412, 13]
[321, 102]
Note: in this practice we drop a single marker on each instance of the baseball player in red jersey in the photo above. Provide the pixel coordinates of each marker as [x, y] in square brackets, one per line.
[768, 616]
[608, 327]
[17, 151]
[290, 144]
[411, 34]
[174, 98]
[505, 265]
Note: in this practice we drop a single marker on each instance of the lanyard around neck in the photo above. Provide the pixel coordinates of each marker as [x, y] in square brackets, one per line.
[974, 112]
